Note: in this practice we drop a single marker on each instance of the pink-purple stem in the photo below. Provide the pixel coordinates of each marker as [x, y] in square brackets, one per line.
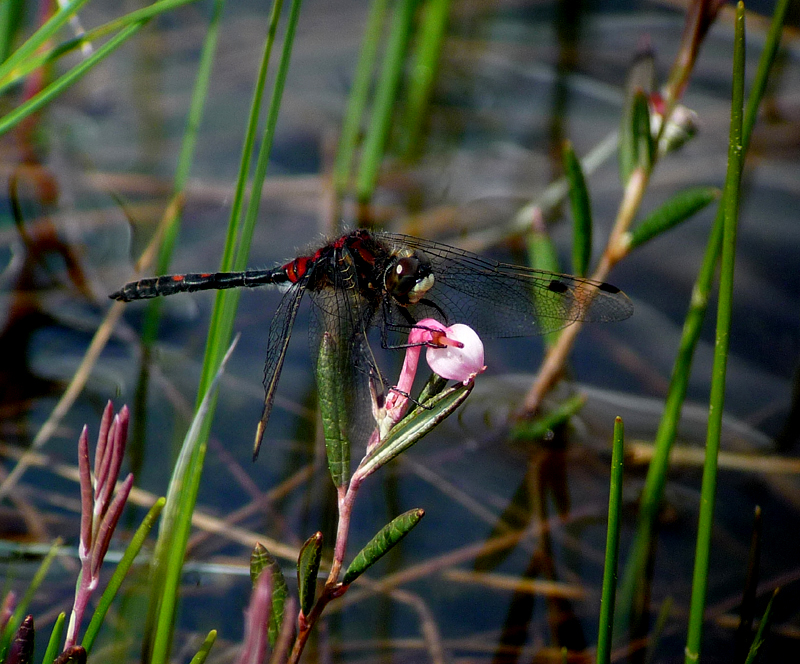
[99, 513]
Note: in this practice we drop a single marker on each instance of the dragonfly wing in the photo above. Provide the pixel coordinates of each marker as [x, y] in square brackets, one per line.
[280, 331]
[504, 300]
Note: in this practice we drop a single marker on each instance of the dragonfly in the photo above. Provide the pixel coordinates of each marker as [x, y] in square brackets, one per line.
[367, 279]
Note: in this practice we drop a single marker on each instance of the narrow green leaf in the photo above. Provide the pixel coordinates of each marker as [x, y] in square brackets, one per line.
[54, 644]
[640, 80]
[422, 74]
[433, 386]
[121, 571]
[22, 607]
[677, 209]
[543, 255]
[542, 425]
[307, 570]
[176, 524]
[708, 489]
[385, 95]
[333, 394]
[386, 538]
[758, 641]
[49, 93]
[259, 559]
[359, 95]
[262, 561]
[636, 146]
[642, 135]
[656, 474]
[609, 591]
[45, 57]
[40, 37]
[414, 426]
[581, 212]
[202, 654]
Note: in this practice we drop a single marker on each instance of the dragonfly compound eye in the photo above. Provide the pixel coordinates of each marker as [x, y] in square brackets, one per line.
[408, 279]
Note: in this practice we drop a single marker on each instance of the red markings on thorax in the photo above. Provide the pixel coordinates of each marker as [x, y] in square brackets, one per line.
[297, 269]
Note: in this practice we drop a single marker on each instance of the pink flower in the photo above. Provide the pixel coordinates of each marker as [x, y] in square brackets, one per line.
[458, 354]
[455, 353]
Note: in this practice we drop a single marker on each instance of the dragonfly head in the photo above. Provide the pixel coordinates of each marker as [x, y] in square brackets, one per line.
[408, 278]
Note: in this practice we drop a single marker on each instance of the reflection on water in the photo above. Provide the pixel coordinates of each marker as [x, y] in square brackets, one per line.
[514, 84]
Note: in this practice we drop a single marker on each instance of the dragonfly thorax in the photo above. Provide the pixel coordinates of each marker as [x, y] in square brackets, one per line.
[409, 278]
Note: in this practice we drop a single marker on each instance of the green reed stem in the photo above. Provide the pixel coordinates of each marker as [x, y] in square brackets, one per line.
[612, 546]
[717, 398]
[422, 75]
[383, 109]
[185, 159]
[656, 475]
[58, 86]
[39, 59]
[359, 95]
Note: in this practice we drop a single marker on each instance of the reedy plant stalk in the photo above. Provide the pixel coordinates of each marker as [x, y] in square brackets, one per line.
[656, 475]
[185, 159]
[385, 95]
[638, 172]
[717, 398]
[607, 599]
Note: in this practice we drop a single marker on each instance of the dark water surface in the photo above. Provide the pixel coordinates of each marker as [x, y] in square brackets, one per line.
[509, 92]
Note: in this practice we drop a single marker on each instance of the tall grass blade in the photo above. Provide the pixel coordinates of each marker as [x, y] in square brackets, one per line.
[41, 99]
[174, 531]
[383, 108]
[422, 75]
[22, 607]
[121, 571]
[202, 654]
[717, 397]
[758, 641]
[359, 96]
[56, 634]
[605, 628]
[656, 475]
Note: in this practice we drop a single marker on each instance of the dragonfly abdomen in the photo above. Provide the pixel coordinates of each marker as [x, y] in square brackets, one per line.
[145, 289]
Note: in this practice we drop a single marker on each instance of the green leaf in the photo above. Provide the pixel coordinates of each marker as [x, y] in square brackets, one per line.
[636, 145]
[677, 209]
[307, 570]
[730, 206]
[121, 571]
[383, 107]
[55, 638]
[414, 426]
[581, 212]
[22, 606]
[205, 649]
[434, 385]
[386, 538]
[758, 641]
[543, 256]
[262, 561]
[332, 381]
[541, 426]
[607, 598]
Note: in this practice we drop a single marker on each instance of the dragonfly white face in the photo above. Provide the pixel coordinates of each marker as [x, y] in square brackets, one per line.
[409, 278]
